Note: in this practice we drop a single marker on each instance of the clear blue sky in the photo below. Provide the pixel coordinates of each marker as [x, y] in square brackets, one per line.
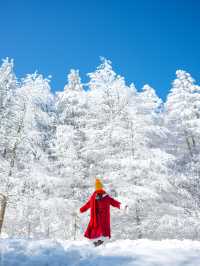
[147, 40]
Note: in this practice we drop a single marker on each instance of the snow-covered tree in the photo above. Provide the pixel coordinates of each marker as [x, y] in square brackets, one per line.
[183, 113]
[107, 98]
[8, 86]
[71, 107]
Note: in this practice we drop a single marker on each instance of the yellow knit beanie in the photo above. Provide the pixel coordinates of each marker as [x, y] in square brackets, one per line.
[98, 184]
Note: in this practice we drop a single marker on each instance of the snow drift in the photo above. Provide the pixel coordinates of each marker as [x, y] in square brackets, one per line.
[16, 252]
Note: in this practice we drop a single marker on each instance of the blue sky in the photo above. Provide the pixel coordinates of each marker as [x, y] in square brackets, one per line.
[146, 40]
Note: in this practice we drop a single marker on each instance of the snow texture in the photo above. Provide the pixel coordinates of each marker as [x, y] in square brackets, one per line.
[16, 252]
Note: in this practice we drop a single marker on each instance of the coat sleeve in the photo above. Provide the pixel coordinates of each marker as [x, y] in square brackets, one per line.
[114, 203]
[85, 207]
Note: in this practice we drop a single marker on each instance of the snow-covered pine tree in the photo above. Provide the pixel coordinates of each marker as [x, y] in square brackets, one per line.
[107, 97]
[183, 114]
[69, 162]
[183, 122]
[8, 86]
[29, 128]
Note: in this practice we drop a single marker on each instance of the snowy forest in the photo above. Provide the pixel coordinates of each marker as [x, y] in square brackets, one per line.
[145, 150]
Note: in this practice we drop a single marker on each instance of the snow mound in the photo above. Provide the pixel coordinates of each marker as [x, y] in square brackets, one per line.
[17, 252]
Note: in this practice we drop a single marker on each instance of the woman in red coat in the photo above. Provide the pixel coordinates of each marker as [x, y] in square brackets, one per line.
[99, 204]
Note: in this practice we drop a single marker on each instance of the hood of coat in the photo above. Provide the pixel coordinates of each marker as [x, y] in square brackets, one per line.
[101, 196]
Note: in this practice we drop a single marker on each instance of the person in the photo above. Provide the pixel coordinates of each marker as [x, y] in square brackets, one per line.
[99, 204]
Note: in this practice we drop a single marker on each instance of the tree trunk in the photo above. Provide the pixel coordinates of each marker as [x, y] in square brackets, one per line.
[13, 155]
[75, 226]
[2, 210]
[193, 142]
[138, 221]
[188, 144]
[29, 229]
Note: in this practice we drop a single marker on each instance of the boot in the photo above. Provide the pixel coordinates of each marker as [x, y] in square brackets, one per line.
[98, 243]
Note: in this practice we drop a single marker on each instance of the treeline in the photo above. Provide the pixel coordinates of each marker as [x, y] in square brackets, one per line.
[53, 145]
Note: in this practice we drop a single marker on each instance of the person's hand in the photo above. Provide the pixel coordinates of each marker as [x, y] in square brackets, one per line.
[125, 208]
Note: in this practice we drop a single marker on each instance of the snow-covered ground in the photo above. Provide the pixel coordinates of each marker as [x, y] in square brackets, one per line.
[15, 252]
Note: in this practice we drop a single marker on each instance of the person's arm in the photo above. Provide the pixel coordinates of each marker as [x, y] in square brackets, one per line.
[85, 207]
[123, 206]
[115, 203]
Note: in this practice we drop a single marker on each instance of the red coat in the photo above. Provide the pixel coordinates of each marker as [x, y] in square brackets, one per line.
[102, 211]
